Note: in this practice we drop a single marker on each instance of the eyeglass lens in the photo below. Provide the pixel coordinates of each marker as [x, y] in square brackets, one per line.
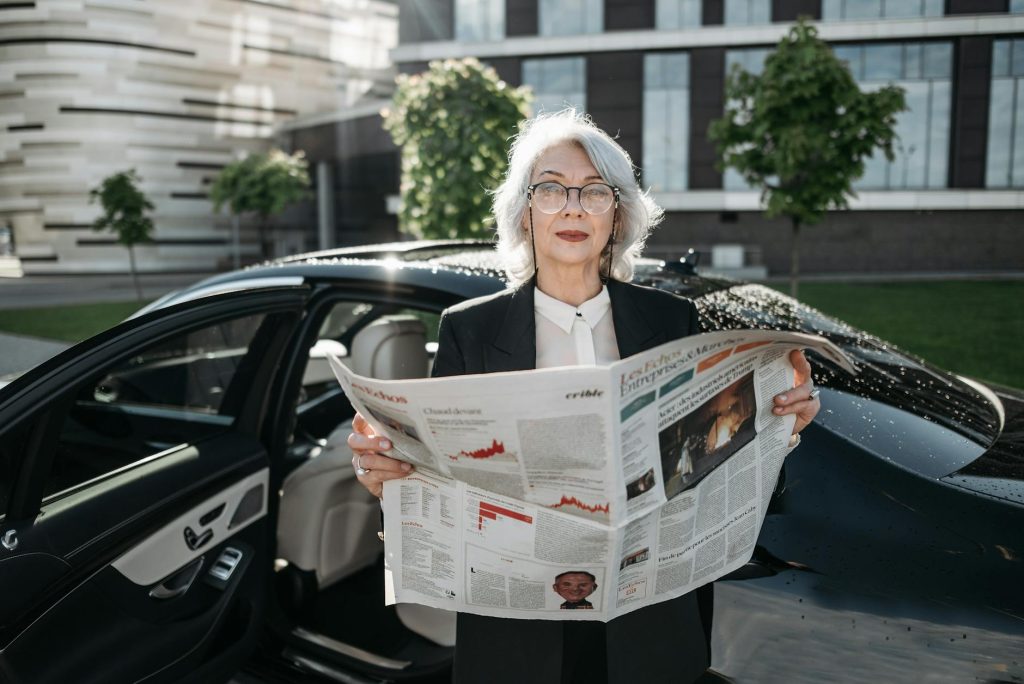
[551, 198]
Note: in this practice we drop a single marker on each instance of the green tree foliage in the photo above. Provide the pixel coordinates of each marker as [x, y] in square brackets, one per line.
[124, 214]
[802, 130]
[454, 123]
[262, 184]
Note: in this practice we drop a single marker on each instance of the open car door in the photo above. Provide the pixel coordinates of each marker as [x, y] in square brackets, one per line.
[133, 488]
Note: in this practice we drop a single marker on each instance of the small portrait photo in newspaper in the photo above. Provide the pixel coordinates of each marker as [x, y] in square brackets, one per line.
[575, 586]
[703, 439]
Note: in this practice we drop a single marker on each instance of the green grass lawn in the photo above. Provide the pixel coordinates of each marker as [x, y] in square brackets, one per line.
[969, 327]
[66, 323]
[974, 328]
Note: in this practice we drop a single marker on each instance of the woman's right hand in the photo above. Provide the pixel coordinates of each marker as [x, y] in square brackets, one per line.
[367, 445]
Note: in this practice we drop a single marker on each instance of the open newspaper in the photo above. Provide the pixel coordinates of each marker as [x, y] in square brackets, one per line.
[583, 492]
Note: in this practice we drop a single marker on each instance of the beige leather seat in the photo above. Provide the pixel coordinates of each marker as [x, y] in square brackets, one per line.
[328, 522]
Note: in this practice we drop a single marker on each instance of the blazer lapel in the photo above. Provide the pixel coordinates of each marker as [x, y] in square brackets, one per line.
[514, 347]
[632, 331]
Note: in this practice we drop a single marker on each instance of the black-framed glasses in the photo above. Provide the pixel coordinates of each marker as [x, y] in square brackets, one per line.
[551, 197]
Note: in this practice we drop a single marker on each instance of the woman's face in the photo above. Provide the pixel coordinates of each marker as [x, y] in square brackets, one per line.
[570, 237]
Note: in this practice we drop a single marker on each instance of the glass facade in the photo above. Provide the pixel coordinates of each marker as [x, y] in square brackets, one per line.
[557, 83]
[1017, 6]
[666, 129]
[835, 10]
[678, 14]
[1004, 165]
[570, 17]
[479, 20]
[925, 72]
[752, 61]
[741, 12]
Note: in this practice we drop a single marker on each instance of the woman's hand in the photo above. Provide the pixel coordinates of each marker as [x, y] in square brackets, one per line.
[799, 399]
[372, 467]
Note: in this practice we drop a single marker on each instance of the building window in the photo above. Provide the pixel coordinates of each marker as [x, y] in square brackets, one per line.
[752, 61]
[479, 20]
[924, 71]
[837, 10]
[1004, 165]
[570, 17]
[557, 83]
[678, 14]
[742, 12]
[1016, 6]
[666, 121]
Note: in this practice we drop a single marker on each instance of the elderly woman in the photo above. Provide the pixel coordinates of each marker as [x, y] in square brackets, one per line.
[571, 221]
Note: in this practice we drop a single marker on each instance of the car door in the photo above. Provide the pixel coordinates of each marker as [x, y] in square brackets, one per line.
[134, 488]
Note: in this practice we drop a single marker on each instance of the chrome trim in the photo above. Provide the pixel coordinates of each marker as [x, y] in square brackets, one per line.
[224, 287]
[349, 650]
[324, 670]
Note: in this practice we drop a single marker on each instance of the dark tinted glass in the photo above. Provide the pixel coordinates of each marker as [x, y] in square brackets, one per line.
[174, 393]
[12, 450]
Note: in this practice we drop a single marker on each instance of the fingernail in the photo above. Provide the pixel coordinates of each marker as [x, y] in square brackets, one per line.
[406, 467]
[778, 409]
[783, 397]
[385, 444]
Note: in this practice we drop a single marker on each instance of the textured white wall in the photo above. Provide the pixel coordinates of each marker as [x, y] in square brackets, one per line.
[175, 89]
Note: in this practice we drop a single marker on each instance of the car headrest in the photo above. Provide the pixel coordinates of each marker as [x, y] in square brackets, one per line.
[391, 348]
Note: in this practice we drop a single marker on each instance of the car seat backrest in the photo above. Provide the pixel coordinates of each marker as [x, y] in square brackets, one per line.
[391, 348]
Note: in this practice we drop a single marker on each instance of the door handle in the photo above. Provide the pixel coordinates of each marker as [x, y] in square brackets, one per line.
[178, 583]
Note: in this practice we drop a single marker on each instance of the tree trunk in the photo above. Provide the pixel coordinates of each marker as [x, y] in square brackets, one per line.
[794, 259]
[264, 247]
[135, 273]
[236, 242]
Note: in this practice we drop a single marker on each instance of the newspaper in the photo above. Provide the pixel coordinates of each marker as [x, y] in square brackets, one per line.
[583, 492]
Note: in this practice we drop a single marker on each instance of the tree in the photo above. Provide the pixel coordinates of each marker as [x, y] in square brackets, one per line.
[124, 214]
[262, 184]
[800, 131]
[453, 123]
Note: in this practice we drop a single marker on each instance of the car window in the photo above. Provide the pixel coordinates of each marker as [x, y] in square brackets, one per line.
[345, 319]
[176, 392]
[322, 405]
[13, 444]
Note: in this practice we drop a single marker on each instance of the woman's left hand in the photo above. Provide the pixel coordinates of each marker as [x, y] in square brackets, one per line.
[799, 400]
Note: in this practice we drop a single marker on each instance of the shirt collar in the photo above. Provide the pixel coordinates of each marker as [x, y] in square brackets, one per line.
[563, 315]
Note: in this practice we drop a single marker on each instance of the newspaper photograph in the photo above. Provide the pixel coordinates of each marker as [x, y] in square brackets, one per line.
[583, 492]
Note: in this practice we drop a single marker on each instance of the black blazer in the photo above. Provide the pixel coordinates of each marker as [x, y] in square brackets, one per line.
[497, 333]
[666, 642]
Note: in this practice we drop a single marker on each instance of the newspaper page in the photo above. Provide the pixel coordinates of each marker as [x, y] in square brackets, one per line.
[583, 492]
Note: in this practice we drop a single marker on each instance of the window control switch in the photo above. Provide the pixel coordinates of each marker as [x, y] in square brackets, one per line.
[222, 569]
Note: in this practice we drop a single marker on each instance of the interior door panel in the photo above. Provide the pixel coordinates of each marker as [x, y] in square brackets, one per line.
[127, 535]
[144, 545]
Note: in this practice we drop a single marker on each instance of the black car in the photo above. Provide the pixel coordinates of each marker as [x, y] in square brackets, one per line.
[178, 503]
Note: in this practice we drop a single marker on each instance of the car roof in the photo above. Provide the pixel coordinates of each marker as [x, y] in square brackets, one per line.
[463, 268]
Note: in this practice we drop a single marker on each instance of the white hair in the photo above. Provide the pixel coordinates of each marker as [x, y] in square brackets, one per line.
[637, 212]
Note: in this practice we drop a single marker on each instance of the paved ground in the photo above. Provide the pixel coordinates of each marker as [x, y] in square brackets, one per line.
[18, 353]
[40, 290]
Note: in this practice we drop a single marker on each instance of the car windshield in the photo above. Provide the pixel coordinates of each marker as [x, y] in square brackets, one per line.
[888, 374]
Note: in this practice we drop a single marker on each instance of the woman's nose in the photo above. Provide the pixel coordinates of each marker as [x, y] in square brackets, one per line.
[573, 206]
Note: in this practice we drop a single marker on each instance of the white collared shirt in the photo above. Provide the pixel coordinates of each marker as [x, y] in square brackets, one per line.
[570, 335]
